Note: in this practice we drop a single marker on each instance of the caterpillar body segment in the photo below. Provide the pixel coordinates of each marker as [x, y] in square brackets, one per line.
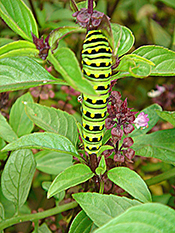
[96, 67]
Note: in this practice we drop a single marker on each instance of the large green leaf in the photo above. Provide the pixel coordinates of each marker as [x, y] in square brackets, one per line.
[53, 162]
[53, 120]
[19, 18]
[23, 72]
[146, 218]
[131, 182]
[123, 39]
[163, 59]
[43, 229]
[160, 145]
[70, 177]
[167, 116]
[18, 48]
[48, 141]
[65, 62]
[17, 176]
[81, 223]
[6, 132]
[102, 208]
[18, 120]
[2, 215]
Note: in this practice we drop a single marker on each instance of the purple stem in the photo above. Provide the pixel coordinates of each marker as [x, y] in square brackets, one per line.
[90, 6]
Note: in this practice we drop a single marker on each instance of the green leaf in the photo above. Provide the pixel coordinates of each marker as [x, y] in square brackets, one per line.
[19, 18]
[131, 182]
[169, 3]
[153, 119]
[137, 66]
[17, 176]
[53, 120]
[59, 196]
[52, 162]
[123, 39]
[4, 41]
[70, 177]
[103, 148]
[6, 132]
[2, 215]
[18, 48]
[100, 170]
[57, 34]
[150, 217]
[18, 120]
[167, 116]
[81, 223]
[102, 208]
[48, 141]
[160, 145]
[43, 229]
[65, 62]
[163, 59]
[22, 72]
[3, 156]
[160, 36]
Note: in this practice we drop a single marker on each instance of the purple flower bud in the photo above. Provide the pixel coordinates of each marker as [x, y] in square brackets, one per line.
[129, 153]
[127, 142]
[109, 123]
[128, 128]
[141, 120]
[117, 132]
[119, 157]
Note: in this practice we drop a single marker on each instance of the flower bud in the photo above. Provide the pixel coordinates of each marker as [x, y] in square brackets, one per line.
[129, 153]
[127, 142]
[128, 128]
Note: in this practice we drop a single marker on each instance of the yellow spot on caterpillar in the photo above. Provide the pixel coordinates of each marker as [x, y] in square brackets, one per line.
[95, 87]
[90, 139]
[96, 75]
[99, 30]
[90, 39]
[91, 127]
[97, 147]
[106, 75]
[84, 111]
[90, 147]
[84, 136]
[101, 127]
[106, 86]
[97, 49]
[111, 72]
[92, 115]
[89, 51]
[107, 63]
[107, 49]
[99, 138]
[82, 51]
[88, 74]
[88, 63]
[97, 64]
[102, 115]
[84, 124]
[85, 98]
[94, 101]
[104, 101]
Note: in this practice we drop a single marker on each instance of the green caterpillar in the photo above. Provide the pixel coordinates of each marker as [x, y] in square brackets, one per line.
[96, 62]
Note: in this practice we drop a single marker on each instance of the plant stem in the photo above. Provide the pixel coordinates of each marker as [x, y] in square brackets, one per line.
[164, 176]
[90, 6]
[33, 217]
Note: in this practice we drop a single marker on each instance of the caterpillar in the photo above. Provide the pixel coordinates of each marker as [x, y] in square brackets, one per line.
[96, 67]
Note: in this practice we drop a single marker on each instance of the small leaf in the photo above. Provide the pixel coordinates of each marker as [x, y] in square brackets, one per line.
[43, 229]
[163, 59]
[18, 120]
[102, 208]
[153, 119]
[131, 182]
[81, 223]
[53, 120]
[167, 116]
[103, 148]
[66, 64]
[100, 170]
[137, 66]
[52, 162]
[150, 217]
[59, 196]
[19, 18]
[49, 141]
[70, 177]
[160, 145]
[22, 72]
[17, 176]
[59, 33]
[18, 48]
[123, 39]
[6, 132]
